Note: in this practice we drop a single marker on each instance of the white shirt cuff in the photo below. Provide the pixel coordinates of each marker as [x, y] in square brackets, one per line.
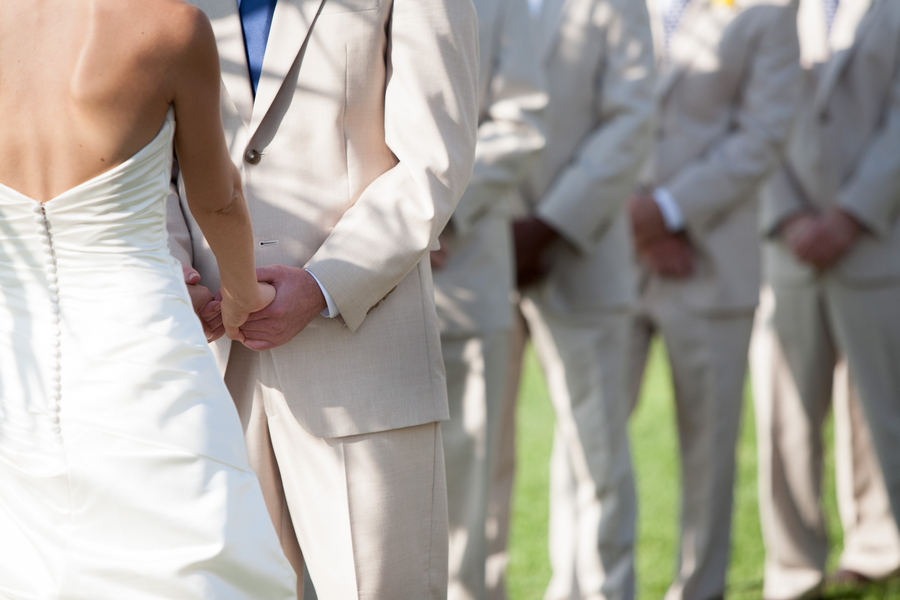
[332, 311]
[671, 212]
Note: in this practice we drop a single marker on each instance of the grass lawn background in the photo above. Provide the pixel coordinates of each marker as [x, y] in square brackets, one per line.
[655, 453]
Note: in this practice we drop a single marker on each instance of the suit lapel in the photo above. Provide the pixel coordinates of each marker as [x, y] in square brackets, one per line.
[226, 23]
[549, 22]
[291, 24]
[838, 64]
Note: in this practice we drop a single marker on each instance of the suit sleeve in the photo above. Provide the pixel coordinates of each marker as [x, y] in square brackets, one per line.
[510, 134]
[872, 193]
[430, 122]
[726, 176]
[590, 191]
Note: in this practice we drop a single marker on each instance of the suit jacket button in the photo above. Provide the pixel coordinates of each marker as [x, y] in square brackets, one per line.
[253, 157]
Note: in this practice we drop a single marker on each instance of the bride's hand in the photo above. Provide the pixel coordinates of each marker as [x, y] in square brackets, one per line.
[235, 312]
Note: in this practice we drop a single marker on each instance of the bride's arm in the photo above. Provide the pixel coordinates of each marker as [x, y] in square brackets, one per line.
[212, 183]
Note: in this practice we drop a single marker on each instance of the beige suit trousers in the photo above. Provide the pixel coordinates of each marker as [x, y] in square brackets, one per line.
[708, 357]
[798, 366]
[871, 538]
[592, 496]
[476, 385]
[503, 469]
[367, 513]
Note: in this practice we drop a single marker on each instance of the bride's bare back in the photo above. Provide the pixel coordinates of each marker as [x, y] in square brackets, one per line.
[85, 84]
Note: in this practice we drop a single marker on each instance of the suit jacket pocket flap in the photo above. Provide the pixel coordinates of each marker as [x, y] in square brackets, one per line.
[341, 6]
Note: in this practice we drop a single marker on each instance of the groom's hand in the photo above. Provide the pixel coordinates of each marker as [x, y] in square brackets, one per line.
[205, 305]
[298, 300]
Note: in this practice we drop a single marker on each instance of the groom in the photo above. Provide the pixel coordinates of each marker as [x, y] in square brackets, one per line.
[353, 122]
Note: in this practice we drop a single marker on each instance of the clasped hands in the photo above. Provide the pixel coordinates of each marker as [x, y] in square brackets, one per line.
[820, 239]
[666, 253]
[298, 299]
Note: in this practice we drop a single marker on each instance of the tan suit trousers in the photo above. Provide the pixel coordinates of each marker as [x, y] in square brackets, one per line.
[476, 385]
[504, 467]
[708, 357]
[368, 512]
[798, 367]
[592, 496]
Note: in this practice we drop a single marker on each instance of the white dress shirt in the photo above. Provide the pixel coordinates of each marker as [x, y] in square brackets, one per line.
[671, 212]
[332, 310]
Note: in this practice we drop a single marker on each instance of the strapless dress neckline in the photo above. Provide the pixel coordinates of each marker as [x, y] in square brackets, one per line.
[168, 123]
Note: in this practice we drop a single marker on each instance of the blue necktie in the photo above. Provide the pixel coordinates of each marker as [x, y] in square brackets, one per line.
[672, 18]
[256, 17]
[831, 7]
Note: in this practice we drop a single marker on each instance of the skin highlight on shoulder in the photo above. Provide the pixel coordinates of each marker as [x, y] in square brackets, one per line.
[85, 84]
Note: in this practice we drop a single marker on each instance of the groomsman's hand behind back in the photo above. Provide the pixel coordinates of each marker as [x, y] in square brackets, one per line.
[840, 231]
[647, 223]
[668, 254]
[532, 237]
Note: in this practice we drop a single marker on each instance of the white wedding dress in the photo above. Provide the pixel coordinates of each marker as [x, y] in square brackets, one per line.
[123, 471]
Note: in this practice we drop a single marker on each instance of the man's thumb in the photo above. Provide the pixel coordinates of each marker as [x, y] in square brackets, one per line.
[267, 274]
[191, 276]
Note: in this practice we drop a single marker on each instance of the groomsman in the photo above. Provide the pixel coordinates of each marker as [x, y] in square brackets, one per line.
[830, 215]
[871, 541]
[725, 99]
[575, 273]
[353, 123]
[473, 278]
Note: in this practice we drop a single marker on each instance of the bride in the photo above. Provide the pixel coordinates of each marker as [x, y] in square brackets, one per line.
[123, 473]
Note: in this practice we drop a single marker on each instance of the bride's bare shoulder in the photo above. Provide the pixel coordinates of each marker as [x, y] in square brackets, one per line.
[167, 39]
[172, 25]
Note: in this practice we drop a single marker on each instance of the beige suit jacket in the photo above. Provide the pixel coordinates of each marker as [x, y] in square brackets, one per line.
[726, 97]
[473, 291]
[598, 59]
[845, 151]
[365, 120]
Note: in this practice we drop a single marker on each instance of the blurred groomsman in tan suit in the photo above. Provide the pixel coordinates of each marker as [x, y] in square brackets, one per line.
[353, 123]
[726, 96]
[473, 278]
[832, 259]
[790, 471]
[574, 269]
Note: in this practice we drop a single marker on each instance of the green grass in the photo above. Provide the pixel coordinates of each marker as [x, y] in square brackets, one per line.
[654, 445]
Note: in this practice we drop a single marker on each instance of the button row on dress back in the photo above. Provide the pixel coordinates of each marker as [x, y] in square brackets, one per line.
[40, 217]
